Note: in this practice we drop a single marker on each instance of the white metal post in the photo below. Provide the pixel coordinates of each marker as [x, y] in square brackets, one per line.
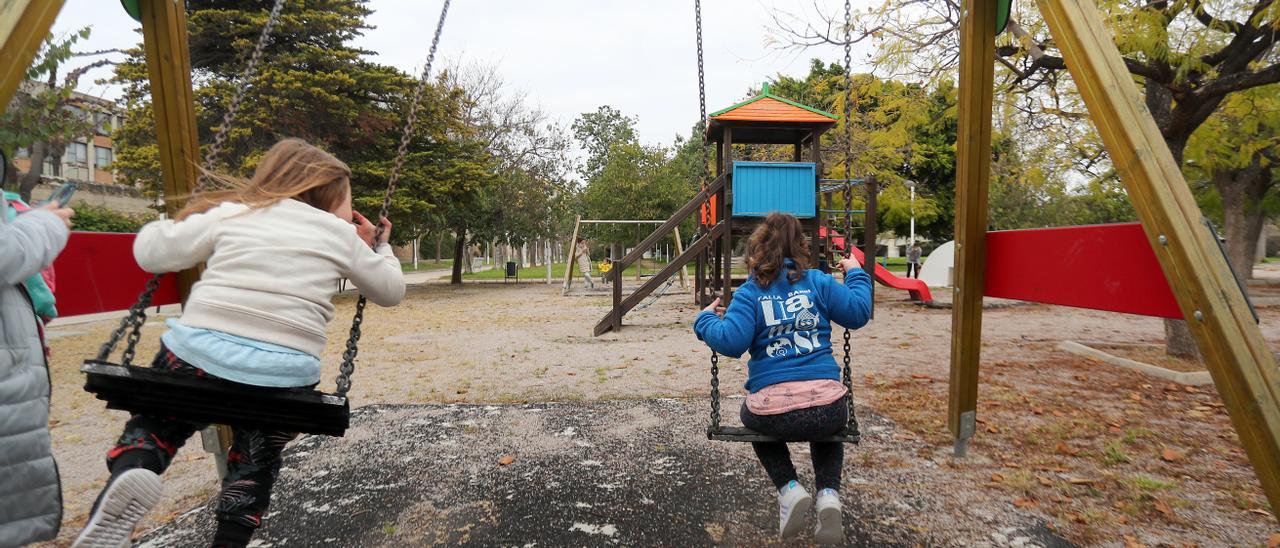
[912, 240]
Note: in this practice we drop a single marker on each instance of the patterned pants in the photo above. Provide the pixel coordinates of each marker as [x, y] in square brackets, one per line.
[253, 463]
[801, 424]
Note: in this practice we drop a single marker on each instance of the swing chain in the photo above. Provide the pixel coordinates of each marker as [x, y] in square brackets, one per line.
[848, 127]
[136, 317]
[847, 374]
[715, 391]
[348, 366]
[233, 107]
[852, 427]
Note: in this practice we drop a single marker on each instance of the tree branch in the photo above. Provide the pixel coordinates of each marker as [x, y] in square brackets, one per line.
[1238, 82]
[1202, 15]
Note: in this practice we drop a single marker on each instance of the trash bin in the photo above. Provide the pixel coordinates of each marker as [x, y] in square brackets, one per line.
[511, 272]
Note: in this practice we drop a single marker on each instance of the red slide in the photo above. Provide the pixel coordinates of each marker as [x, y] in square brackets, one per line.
[918, 290]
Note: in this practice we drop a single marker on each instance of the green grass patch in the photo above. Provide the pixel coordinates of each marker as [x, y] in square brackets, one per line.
[649, 267]
[1114, 453]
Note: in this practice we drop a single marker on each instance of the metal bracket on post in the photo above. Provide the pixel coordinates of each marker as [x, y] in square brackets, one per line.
[968, 424]
[216, 439]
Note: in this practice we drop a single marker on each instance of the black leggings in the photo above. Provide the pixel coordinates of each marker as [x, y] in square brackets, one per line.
[799, 425]
[253, 463]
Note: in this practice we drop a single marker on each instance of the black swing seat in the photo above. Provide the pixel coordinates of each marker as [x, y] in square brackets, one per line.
[744, 434]
[147, 390]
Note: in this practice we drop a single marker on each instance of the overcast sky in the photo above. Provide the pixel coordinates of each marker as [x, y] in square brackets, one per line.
[570, 56]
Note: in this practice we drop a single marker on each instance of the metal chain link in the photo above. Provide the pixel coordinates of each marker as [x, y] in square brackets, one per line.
[137, 316]
[715, 391]
[852, 428]
[348, 366]
[237, 96]
[702, 228]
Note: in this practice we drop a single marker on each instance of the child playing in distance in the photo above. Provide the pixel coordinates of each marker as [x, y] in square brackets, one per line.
[274, 248]
[783, 316]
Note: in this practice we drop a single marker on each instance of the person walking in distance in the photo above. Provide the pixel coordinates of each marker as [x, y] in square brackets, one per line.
[913, 262]
[584, 262]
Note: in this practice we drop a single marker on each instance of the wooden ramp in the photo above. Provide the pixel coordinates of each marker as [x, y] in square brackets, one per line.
[622, 305]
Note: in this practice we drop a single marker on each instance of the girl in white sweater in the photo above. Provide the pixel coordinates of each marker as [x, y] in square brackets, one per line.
[274, 248]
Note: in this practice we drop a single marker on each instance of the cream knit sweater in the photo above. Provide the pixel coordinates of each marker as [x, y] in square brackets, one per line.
[270, 272]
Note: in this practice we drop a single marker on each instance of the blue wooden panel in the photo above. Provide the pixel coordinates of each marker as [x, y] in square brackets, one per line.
[760, 188]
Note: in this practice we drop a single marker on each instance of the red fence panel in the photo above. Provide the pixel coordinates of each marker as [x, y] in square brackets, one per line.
[1102, 267]
[96, 273]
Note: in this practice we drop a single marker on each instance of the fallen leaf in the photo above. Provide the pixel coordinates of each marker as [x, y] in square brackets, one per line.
[1044, 481]
[506, 459]
[992, 429]
[1274, 541]
[1260, 512]
[1123, 520]
[1037, 410]
[1081, 481]
[919, 376]
[1024, 503]
[1170, 454]
[1191, 389]
[1065, 449]
[997, 477]
[1164, 508]
[1057, 413]
[1135, 396]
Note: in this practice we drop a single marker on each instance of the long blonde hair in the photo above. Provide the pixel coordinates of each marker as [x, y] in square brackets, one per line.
[293, 169]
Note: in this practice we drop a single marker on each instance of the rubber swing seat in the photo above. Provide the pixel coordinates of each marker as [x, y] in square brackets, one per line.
[150, 391]
[744, 434]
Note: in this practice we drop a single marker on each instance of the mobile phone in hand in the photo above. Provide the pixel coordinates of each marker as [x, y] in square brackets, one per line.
[61, 196]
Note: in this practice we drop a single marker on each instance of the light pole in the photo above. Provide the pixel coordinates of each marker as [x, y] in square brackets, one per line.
[912, 239]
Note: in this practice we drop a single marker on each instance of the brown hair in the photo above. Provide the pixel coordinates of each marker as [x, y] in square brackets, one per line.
[779, 237]
[293, 169]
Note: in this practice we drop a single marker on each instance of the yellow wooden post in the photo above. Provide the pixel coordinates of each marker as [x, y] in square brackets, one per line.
[24, 24]
[1242, 366]
[973, 171]
[164, 36]
[679, 251]
[572, 255]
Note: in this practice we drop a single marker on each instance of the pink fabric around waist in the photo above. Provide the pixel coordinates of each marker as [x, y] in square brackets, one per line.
[780, 398]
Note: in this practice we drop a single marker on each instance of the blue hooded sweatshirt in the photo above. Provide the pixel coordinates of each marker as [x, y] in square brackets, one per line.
[787, 326]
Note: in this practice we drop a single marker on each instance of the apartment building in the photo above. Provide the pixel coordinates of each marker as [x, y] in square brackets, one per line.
[88, 158]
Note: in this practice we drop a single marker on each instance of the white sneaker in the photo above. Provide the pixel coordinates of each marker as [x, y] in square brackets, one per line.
[127, 499]
[830, 529]
[793, 505]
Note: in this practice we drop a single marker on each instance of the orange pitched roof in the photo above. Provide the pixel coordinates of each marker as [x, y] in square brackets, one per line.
[768, 109]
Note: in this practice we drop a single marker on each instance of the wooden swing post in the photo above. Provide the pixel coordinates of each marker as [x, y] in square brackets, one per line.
[1237, 356]
[164, 37]
[973, 173]
[24, 24]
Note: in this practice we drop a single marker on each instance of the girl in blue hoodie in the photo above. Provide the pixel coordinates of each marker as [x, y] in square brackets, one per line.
[783, 316]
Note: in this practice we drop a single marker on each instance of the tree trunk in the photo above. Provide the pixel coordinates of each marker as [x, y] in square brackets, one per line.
[29, 180]
[439, 246]
[459, 249]
[1242, 191]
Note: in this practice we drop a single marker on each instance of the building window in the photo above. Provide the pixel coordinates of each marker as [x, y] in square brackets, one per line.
[101, 157]
[76, 162]
[77, 153]
[102, 123]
